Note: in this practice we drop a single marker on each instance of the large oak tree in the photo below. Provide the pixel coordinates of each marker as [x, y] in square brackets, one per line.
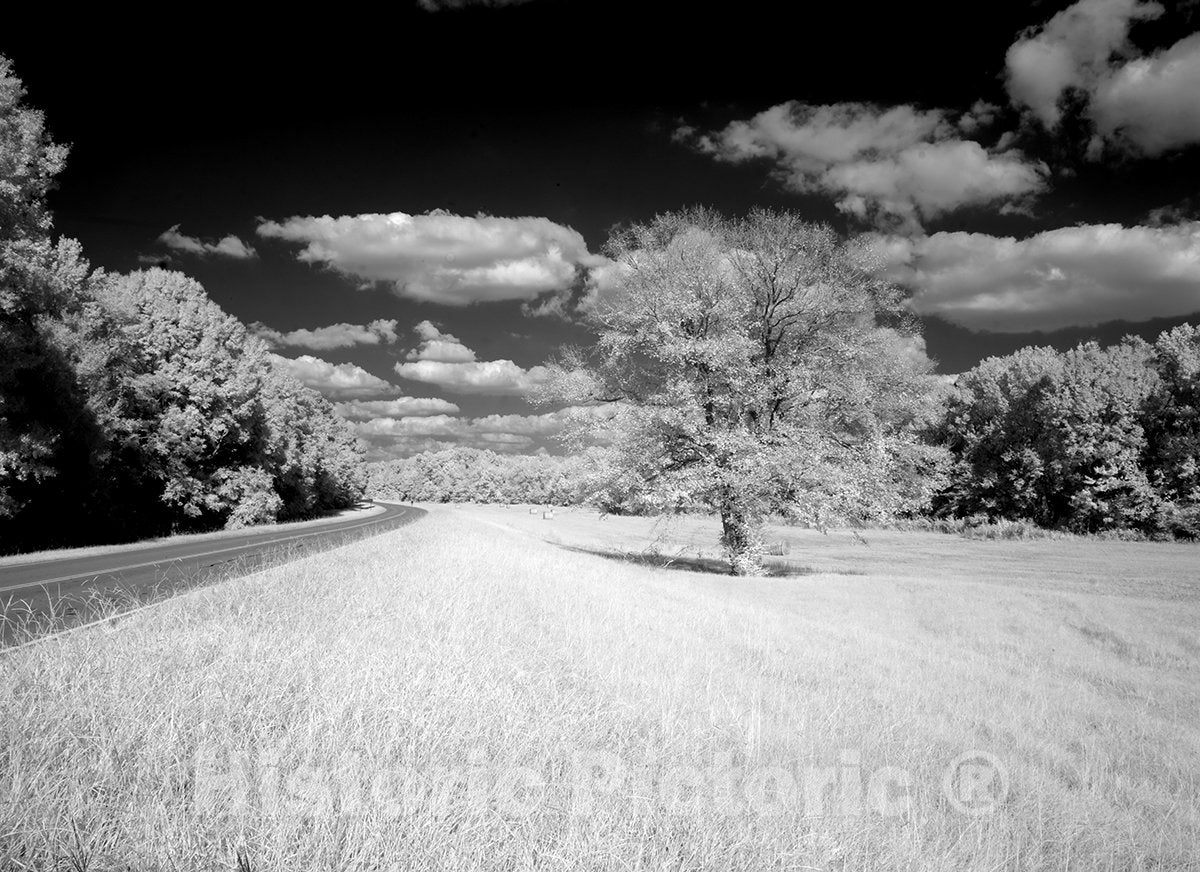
[756, 370]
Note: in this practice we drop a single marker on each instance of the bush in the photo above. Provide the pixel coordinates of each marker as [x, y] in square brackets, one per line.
[250, 496]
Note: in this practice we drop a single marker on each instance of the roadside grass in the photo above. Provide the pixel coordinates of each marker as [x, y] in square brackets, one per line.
[22, 621]
[457, 696]
[28, 619]
[362, 510]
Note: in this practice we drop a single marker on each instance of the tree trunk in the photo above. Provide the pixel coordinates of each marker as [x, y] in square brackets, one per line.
[742, 539]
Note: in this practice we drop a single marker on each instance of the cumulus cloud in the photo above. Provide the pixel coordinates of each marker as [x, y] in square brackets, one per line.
[388, 436]
[1174, 213]
[334, 336]
[401, 407]
[594, 287]
[475, 377]
[490, 428]
[438, 5]
[898, 166]
[336, 381]
[443, 360]
[1072, 276]
[439, 346]
[229, 246]
[1152, 105]
[439, 257]
[434, 425]
[1141, 104]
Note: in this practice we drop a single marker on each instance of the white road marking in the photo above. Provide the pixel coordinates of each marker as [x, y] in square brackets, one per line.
[169, 560]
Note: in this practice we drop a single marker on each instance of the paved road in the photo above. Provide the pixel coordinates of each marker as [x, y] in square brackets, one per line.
[53, 593]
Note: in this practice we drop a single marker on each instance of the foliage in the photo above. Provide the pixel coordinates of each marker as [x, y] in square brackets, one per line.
[135, 399]
[756, 370]
[477, 475]
[1090, 440]
[44, 426]
[29, 163]
[1172, 425]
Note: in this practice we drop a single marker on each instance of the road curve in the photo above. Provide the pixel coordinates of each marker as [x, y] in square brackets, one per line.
[51, 594]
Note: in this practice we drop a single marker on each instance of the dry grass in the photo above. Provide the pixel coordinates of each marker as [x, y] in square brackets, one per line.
[382, 699]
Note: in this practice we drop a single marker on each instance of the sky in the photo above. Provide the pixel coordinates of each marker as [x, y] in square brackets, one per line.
[411, 209]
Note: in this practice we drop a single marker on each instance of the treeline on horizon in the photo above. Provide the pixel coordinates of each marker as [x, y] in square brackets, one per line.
[132, 405]
[1090, 440]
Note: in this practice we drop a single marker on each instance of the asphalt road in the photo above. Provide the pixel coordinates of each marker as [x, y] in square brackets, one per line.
[46, 595]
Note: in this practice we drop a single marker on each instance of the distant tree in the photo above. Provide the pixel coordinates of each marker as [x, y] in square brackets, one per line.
[757, 370]
[316, 459]
[463, 474]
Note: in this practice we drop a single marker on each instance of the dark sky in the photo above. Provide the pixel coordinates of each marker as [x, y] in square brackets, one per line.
[570, 111]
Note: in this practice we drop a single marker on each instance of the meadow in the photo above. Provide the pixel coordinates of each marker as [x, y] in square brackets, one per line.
[489, 689]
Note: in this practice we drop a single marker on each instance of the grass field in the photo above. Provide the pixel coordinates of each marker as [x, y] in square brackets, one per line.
[486, 689]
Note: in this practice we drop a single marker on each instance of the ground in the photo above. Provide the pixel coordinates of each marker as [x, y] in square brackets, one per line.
[490, 688]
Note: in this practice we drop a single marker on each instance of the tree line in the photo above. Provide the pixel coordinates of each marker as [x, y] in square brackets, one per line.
[753, 367]
[1088, 440]
[462, 475]
[132, 405]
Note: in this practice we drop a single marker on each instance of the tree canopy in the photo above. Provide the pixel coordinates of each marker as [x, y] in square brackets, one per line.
[1090, 440]
[756, 369]
[135, 399]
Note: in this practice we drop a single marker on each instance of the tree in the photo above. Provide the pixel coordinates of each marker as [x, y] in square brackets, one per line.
[1055, 438]
[46, 431]
[1098, 415]
[1172, 423]
[755, 369]
[220, 434]
[997, 425]
[29, 163]
[190, 395]
[135, 398]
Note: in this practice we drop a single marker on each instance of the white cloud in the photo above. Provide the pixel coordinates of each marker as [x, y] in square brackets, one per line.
[336, 381]
[333, 336]
[491, 428]
[434, 425]
[401, 407]
[477, 377]
[548, 424]
[1152, 105]
[1071, 50]
[443, 360]
[1072, 276]
[391, 437]
[436, 345]
[228, 246]
[899, 166]
[1144, 105]
[438, 5]
[439, 257]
